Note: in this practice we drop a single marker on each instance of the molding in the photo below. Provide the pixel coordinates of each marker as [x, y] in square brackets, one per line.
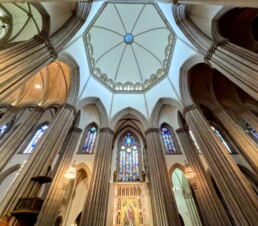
[152, 130]
[77, 130]
[213, 48]
[189, 108]
[49, 46]
[106, 130]
[181, 130]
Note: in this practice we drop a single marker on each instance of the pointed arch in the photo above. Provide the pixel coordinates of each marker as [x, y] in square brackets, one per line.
[185, 91]
[129, 112]
[100, 107]
[158, 106]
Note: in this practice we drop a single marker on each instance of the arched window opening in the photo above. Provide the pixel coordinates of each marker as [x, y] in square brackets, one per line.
[34, 141]
[3, 129]
[129, 159]
[89, 143]
[251, 130]
[218, 134]
[168, 141]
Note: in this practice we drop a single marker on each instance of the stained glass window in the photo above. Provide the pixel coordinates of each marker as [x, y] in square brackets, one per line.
[129, 159]
[194, 141]
[252, 130]
[218, 134]
[89, 143]
[3, 129]
[168, 141]
[35, 140]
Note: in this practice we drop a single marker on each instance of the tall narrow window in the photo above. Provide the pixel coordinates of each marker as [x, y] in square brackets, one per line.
[3, 129]
[34, 141]
[129, 159]
[218, 134]
[168, 141]
[251, 130]
[89, 143]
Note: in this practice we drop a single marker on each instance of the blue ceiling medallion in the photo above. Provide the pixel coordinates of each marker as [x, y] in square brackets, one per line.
[128, 38]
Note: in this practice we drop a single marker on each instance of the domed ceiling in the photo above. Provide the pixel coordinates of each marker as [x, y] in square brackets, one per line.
[129, 46]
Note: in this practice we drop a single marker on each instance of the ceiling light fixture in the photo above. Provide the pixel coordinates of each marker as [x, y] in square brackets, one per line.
[37, 86]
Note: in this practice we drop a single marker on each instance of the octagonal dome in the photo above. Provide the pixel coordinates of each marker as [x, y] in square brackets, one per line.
[129, 46]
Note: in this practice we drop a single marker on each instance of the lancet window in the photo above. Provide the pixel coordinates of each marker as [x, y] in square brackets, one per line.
[167, 140]
[90, 140]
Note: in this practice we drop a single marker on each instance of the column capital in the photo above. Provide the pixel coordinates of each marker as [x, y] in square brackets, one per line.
[49, 45]
[106, 130]
[189, 108]
[77, 129]
[39, 109]
[214, 47]
[181, 130]
[152, 130]
[70, 107]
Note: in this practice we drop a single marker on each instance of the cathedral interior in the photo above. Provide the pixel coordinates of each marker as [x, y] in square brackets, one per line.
[128, 113]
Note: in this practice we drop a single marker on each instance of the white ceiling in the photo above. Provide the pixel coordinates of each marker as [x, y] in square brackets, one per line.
[132, 66]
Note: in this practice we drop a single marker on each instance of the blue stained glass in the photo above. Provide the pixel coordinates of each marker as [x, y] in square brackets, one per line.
[128, 38]
[2, 129]
[34, 141]
[252, 130]
[221, 139]
[89, 143]
[168, 141]
[129, 160]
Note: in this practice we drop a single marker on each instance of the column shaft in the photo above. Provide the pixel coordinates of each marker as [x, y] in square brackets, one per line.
[237, 64]
[212, 211]
[56, 192]
[13, 143]
[40, 160]
[248, 148]
[236, 191]
[163, 201]
[95, 207]
[20, 62]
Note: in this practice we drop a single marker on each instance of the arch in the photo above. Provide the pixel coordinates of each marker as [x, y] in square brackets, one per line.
[99, 105]
[9, 171]
[59, 221]
[185, 91]
[173, 168]
[84, 167]
[129, 112]
[158, 106]
[74, 77]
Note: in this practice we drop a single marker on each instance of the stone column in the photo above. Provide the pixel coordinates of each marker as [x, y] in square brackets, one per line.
[212, 210]
[237, 3]
[164, 206]
[248, 148]
[250, 118]
[236, 191]
[40, 160]
[20, 62]
[236, 63]
[52, 202]
[95, 207]
[8, 115]
[14, 142]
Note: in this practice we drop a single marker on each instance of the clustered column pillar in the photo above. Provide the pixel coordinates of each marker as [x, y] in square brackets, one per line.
[237, 64]
[13, 143]
[246, 145]
[95, 207]
[40, 160]
[23, 60]
[238, 3]
[236, 191]
[164, 206]
[213, 213]
[56, 192]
